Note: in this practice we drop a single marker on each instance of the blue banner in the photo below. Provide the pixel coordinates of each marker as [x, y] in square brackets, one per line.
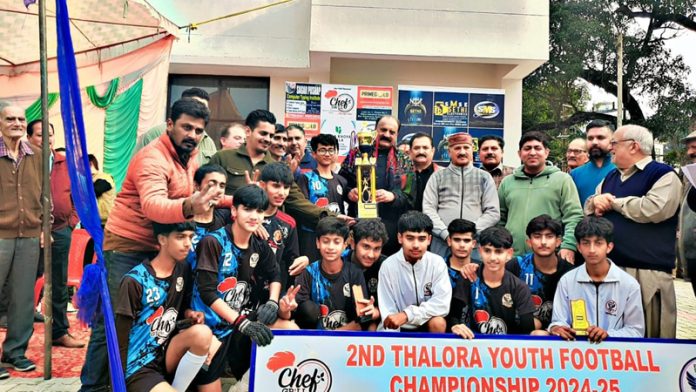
[93, 284]
[303, 361]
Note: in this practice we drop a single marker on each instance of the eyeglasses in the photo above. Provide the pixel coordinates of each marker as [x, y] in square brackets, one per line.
[615, 142]
[576, 152]
[326, 151]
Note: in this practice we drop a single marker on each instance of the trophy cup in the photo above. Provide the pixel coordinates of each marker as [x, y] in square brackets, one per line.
[578, 312]
[366, 176]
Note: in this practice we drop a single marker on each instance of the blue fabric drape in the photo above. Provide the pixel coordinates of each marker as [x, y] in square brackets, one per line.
[94, 278]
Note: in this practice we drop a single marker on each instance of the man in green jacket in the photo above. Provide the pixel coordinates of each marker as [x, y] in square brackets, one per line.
[244, 164]
[536, 188]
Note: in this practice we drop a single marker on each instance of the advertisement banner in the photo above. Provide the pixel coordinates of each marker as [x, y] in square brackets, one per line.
[303, 106]
[340, 110]
[312, 361]
[441, 111]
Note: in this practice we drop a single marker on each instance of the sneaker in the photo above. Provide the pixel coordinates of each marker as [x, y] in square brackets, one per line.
[4, 373]
[20, 364]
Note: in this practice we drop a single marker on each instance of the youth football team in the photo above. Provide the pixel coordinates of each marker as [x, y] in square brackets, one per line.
[230, 277]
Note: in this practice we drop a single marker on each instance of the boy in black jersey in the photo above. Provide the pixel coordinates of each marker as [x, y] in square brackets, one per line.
[276, 180]
[209, 178]
[152, 297]
[542, 268]
[322, 187]
[497, 302]
[232, 266]
[461, 243]
[367, 237]
[326, 299]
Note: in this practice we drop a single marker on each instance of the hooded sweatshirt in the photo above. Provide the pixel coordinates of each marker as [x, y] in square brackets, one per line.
[523, 198]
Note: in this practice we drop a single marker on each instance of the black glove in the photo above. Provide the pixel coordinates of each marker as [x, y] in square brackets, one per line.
[256, 331]
[268, 312]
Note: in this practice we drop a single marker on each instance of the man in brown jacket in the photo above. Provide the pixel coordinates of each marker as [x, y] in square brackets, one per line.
[20, 228]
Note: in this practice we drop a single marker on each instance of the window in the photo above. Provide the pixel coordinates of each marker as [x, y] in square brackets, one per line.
[232, 98]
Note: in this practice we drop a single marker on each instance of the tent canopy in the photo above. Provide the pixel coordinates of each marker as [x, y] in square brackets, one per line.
[101, 30]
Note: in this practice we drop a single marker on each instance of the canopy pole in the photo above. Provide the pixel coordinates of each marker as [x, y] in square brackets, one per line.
[46, 196]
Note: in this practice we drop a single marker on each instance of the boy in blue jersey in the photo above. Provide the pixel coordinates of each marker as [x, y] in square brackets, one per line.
[209, 178]
[326, 298]
[542, 268]
[367, 237]
[497, 302]
[232, 266]
[276, 180]
[152, 297]
[322, 187]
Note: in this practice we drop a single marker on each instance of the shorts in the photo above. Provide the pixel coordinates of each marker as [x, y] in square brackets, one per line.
[148, 376]
[217, 364]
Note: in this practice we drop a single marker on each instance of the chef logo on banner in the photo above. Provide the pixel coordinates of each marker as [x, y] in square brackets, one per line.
[310, 375]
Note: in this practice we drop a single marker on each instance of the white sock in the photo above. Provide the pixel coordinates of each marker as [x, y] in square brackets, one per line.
[188, 367]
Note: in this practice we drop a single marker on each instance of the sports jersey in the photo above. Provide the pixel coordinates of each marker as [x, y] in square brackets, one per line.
[154, 304]
[542, 286]
[240, 273]
[221, 217]
[488, 310]
[332, 292]
[322, 192]
[371, 274]
[282, 238]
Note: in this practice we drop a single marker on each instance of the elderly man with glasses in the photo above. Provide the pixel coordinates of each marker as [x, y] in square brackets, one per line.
[641, 198]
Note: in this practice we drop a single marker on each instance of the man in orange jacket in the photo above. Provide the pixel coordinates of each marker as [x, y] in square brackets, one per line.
[158, 187]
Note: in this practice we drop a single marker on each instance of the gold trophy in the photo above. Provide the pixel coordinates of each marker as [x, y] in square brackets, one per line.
[578, 311]
[366, 175]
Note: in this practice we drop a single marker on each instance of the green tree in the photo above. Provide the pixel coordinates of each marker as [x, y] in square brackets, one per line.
[583, 47]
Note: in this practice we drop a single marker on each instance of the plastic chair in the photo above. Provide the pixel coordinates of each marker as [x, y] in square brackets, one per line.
[80, 243]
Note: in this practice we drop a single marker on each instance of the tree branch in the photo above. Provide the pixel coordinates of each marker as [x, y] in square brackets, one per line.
[576, 118]
[660, 19]
[602, 80]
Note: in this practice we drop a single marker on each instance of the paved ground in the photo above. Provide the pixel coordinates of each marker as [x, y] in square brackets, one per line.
[686, 329]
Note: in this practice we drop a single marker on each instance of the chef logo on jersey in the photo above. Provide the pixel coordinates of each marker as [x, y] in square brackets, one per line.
[235, 294]
[610, 307]
[162, 323]
[333, 320]
[310, 375]
[489, 325]
[179, 284]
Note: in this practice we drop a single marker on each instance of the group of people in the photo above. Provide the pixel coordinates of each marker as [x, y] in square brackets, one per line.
[208, 251]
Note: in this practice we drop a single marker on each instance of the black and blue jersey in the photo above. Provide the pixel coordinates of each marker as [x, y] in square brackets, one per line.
[543, 286]
[332, 292]
[221, 217]
[241, 274]
[282, 238]
[491, 310]
[152, 305]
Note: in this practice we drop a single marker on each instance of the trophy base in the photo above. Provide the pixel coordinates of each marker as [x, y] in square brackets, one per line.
[367, 210]
[580, 332]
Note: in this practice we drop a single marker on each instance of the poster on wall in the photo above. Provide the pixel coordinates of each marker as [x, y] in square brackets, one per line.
[303, 106]
[442, 111]
[337, 109]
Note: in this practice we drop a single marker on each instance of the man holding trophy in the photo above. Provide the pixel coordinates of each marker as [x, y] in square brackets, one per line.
[373, 171]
